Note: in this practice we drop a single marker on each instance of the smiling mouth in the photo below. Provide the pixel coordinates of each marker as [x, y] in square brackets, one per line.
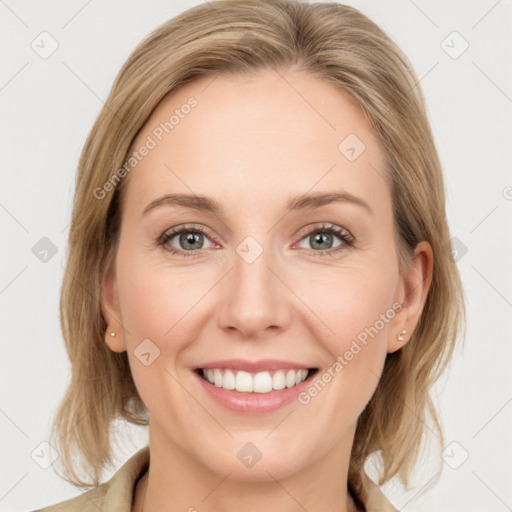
[260, 382]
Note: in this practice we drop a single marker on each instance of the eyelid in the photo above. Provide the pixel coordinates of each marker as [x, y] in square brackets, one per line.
[319, 226]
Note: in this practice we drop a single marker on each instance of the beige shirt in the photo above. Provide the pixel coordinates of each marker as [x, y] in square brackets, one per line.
[116, 495]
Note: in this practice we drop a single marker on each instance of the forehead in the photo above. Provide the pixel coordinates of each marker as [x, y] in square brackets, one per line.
[248, 136]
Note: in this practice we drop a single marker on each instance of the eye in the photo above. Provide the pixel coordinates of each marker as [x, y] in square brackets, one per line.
[322, 239]
[189, 240]
[185, 241]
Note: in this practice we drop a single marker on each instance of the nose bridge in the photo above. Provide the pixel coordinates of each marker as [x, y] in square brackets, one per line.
[255, 297]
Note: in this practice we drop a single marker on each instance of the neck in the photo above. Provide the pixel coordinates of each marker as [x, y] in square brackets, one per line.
[174, 481]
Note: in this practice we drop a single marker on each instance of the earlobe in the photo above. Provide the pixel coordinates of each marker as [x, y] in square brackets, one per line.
[114, 333]
[415, 286]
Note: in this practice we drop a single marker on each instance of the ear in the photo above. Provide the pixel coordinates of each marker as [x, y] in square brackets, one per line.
[413, 291]
[112, 313]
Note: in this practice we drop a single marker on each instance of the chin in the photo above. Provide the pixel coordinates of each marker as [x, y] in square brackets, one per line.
[254, 458]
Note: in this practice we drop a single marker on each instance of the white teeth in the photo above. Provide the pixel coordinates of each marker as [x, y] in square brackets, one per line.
[243, 381]
[229, 380]
[290, 378]
[217, 377]
[261, 382]
[278, 381]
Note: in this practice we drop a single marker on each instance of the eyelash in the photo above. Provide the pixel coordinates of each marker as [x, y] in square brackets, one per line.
[343, 234]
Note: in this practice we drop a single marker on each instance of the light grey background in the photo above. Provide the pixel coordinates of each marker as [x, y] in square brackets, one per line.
[49, 105]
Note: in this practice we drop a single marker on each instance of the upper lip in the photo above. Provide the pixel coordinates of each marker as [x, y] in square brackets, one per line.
[253, 366]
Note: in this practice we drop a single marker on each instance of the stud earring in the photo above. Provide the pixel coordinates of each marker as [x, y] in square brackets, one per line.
[112, 334]
[400, 336]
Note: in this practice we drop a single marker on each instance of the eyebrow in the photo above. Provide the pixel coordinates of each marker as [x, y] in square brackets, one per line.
[302, 202]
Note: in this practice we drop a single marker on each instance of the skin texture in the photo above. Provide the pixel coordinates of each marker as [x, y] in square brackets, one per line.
[251, 143]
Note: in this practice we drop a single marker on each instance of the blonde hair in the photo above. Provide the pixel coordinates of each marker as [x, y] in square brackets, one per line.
[331, 41]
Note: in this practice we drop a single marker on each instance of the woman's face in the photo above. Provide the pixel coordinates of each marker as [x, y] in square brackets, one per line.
[268, 283]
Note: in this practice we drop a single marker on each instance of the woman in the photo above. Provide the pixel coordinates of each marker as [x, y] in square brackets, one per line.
[258, 267]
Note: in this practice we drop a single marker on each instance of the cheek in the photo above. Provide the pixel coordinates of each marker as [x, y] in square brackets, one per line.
[356, 305]
[349, 301]
[155, 305]
[156, 300]
[148, 303]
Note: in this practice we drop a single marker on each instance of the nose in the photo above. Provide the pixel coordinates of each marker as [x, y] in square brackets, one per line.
[255, 301]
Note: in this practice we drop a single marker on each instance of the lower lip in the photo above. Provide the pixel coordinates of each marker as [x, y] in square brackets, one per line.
[252, 403]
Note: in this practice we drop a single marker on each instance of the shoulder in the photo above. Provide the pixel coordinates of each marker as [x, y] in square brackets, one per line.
[115, 494]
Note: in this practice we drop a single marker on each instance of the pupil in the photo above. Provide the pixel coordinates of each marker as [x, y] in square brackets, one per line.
[319, 237]
[190, 238]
